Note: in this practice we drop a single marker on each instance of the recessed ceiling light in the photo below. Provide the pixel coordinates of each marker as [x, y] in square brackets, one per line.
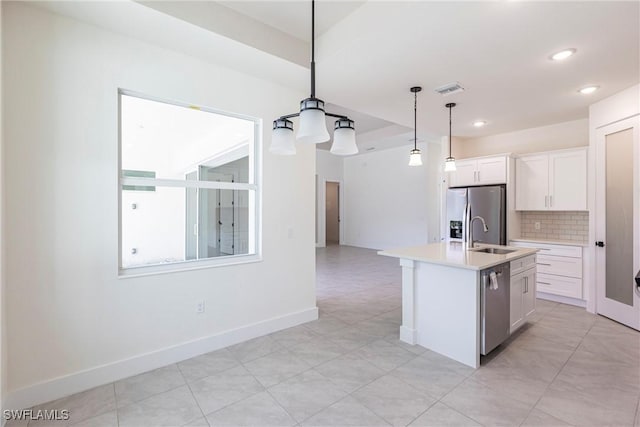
[588, 89]
[479, 123]
[563, 54]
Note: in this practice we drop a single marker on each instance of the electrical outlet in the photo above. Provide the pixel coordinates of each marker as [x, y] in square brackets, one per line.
[536, 225]
[200, 307]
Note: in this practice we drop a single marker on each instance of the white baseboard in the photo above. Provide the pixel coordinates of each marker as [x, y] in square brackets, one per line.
[410, 336]
[562, 299]
[84, 380]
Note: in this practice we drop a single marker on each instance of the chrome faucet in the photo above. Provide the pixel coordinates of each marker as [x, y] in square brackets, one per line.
[484, 225]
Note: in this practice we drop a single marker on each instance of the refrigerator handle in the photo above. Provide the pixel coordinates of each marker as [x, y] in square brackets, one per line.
[465, 222]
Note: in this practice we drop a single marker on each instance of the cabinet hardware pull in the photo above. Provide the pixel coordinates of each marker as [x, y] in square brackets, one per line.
[540, 263]
[544, 283]
[478, 176]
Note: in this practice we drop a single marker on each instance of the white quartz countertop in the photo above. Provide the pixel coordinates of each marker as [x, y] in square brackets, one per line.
[550, 242]
[455, 254]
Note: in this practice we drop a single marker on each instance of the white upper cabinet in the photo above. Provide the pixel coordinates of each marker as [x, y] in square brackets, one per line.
[568, 180]
[532, 183]
[465, 173]
[480, 171]
[556, 180]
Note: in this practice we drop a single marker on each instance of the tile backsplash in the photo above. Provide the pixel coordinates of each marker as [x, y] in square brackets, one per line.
[555, 225]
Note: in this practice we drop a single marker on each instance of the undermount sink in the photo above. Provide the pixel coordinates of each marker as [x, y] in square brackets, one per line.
[496, 251]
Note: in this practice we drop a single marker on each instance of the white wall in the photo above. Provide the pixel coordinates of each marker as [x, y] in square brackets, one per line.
[545, 138]
[68, 313]
[329, 167]
[389, 204]
[620, 106]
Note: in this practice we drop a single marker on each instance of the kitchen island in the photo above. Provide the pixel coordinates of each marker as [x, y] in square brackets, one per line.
[441, 295]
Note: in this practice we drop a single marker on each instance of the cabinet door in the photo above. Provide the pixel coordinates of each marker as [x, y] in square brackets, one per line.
[529, 293]
[465, 173]
[532, 183]
[515, 307]
[492, 170]
[568, 180]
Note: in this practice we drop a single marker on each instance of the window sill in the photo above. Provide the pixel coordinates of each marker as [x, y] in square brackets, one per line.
[178, 267]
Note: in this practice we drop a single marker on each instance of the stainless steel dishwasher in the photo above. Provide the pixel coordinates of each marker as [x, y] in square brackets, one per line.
[494, 307]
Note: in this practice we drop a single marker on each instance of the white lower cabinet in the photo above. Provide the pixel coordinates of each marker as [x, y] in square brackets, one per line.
[523, 291]
[559, 268]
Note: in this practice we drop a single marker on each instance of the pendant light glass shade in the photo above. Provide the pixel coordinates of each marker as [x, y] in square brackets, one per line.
[313, 126]
[282, 140]
[344, 138]
[415, 157]
[450, 164]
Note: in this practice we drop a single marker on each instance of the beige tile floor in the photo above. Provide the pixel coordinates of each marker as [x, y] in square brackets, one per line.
[566, 367]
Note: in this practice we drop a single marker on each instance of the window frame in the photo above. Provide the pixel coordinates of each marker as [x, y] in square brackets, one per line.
[255, 151]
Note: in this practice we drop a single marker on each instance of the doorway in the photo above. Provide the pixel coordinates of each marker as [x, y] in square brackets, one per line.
[617, 224]
[332, 213]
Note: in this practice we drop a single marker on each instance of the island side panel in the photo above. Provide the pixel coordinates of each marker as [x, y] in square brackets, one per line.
[408, 328]
[447, 311]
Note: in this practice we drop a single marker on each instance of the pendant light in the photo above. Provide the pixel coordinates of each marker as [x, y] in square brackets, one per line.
[450, 162]
[415, 156]
[313, 125]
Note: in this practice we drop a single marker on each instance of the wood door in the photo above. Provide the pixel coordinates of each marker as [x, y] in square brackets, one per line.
[332, 213]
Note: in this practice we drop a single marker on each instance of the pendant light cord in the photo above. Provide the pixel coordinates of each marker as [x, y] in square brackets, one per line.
[313, 49]
[450, 107]
[415, 120]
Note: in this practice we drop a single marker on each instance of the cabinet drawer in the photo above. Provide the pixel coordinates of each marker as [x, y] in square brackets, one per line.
[560, 265]
[561, 250]
[549, 249]
[522, 264]
[559, 285]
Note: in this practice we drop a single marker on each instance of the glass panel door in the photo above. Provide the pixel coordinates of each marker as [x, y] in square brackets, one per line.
[619, 216]
[617, 221]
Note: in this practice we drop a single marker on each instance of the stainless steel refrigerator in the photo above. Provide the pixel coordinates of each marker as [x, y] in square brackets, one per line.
[488, 202]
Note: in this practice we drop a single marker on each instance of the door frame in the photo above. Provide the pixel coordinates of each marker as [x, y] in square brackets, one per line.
[599, 276]
[321, 226]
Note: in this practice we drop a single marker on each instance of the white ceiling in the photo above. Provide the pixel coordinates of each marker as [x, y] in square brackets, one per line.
[364, 124]
[294, 17]
[498, 50]
[369, 54]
